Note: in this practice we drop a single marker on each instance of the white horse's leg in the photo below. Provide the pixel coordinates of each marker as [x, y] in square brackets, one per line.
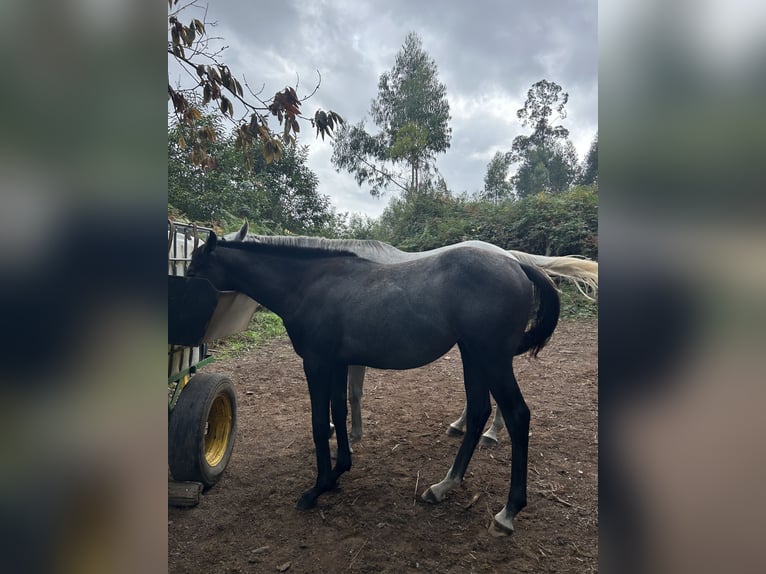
[457, 428]
[355, 386]
[489, 438]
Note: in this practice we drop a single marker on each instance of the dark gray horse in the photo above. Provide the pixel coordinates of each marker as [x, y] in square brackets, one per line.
[340, 309]
[578, 270]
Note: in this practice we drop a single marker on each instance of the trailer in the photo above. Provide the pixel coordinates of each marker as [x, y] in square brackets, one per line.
[202, 406]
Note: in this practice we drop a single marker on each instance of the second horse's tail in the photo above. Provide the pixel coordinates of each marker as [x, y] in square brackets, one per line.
[579, 270]
[546, 318]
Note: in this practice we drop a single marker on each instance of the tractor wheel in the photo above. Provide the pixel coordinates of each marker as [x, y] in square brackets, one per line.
[201, 429]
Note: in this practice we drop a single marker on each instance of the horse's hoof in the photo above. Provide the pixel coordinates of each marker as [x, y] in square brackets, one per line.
[488, 441]
[430, 497]
[454, 431]
[502, 524]
[498, 530]
[307, 501]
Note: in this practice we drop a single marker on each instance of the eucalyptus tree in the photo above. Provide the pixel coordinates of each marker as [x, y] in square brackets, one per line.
[497, 185]
[547, 159]
[590, 165]
[412, 115]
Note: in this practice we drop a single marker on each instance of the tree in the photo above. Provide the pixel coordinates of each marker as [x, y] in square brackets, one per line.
[497, 186]
[547, 159]
[549, 169]
[202, 192]
[212, 82]
[412, 114]
[543, 98]
[293, 201]
[590, 165]
[277, 196]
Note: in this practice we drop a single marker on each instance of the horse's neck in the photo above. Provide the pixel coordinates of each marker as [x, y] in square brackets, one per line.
[274, 282]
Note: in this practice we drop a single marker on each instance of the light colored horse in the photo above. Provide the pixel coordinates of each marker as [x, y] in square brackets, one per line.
[578, 270]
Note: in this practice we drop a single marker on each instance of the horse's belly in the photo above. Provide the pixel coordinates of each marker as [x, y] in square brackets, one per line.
[395, 352]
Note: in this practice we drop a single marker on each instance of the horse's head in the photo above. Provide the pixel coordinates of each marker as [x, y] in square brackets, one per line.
[237, 236]
[206, 263]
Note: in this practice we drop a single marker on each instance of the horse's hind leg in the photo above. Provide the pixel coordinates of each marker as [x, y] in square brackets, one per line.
[489, 438]
[478, 408]
[457, 428]
[515, 412]
[355, 387]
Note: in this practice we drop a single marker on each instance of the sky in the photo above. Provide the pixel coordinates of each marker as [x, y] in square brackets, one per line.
[488, 54]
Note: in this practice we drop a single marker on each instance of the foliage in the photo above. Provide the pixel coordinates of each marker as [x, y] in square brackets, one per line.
[276, 196]
[214, 83]
[589, 173]
[412, 114]
[574, 305]
[561, 224]
[547, 159]
[358, 226]
[430, 219]
[497, 186]
[545, 224]
[550, 169]
[543, 98]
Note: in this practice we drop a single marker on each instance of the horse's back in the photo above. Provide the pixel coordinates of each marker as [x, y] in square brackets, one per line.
[407, 314]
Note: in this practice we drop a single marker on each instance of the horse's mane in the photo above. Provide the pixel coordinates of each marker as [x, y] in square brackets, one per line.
[314, 246]
[577, 269]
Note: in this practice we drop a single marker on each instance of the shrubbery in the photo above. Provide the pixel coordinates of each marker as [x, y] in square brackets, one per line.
[546, 224]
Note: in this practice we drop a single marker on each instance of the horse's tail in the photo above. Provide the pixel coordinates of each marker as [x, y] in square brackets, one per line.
[542, 325]
[579, 270]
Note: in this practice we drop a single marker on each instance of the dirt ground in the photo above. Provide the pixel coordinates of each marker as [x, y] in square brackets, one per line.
[374, 523]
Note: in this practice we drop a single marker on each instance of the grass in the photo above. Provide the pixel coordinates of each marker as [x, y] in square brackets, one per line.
[574, 305]
[264, 326]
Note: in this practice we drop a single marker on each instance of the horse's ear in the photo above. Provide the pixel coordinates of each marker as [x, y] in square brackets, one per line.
[212, 241]
[242, 233]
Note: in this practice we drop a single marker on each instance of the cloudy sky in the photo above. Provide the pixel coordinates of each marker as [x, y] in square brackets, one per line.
[488, 54]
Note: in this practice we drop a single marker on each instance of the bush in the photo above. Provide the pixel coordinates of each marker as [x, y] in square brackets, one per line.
[562, 224]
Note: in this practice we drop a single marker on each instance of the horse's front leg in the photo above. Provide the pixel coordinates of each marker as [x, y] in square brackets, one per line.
[319, 379]
[355, 386]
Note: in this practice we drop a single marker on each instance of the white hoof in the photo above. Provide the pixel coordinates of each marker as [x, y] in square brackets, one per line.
[454, 431]
[502, 525]
[487, 441]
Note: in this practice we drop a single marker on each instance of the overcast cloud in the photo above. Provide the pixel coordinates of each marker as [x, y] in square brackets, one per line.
[488, 54]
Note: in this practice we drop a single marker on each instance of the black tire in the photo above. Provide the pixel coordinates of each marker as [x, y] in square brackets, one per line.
[201, 429]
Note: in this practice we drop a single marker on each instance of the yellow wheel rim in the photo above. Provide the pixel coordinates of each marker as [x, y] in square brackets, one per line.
[218, 430]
